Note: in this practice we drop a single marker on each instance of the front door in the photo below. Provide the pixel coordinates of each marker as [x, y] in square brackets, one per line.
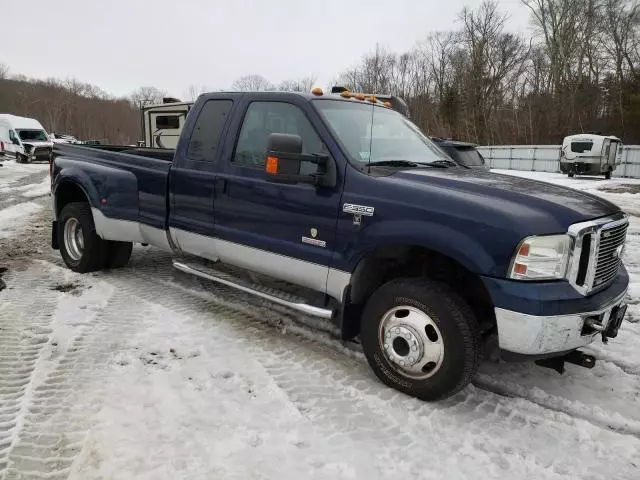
[283, 230]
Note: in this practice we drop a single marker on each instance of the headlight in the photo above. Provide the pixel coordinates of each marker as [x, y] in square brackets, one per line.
[541, 258]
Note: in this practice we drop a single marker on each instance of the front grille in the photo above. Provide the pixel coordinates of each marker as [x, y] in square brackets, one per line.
[42, 153]
[597, 252]
[609, 253]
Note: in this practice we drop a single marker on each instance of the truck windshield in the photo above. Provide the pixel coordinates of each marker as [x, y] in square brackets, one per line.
[372, 134]
[32, 135]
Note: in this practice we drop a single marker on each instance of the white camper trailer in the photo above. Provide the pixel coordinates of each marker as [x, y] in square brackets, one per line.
[589, 154]
[162, 124]
[24, 138]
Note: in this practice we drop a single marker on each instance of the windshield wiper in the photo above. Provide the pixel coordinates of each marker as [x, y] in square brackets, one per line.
[394, 163]
[445, 163]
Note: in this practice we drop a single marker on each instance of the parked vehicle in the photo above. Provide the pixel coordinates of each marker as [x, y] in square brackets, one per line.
[61, 138]
[24, 138]
[162, 124]
[589, 154]
[463, 153]
[430, 265]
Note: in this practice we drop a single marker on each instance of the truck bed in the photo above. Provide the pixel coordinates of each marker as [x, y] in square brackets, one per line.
[137, 184]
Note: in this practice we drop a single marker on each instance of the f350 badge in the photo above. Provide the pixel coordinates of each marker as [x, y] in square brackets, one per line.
[358, 211]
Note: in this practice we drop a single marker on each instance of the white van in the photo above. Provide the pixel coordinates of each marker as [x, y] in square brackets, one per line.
[589, 154]
[24, 138]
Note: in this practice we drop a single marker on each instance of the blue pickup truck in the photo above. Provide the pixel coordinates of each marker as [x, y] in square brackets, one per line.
[429, 265]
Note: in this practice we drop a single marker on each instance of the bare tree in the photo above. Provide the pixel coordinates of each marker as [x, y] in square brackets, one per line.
[147, 96]
[4, 70]
[300, 85]
[252, 83]
[194, 91]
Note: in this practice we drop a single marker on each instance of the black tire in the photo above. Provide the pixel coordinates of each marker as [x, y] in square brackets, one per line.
[18, 158]
[607, 175]
[119, 254]
[457, 325]
[95, 251]
[570, 174]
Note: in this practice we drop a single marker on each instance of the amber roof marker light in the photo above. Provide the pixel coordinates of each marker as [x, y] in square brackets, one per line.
[317, 91]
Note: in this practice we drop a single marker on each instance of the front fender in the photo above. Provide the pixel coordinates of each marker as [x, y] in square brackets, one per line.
[473, 252]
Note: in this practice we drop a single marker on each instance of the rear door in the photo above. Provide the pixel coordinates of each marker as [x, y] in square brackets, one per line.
[283, 230]
[192, 178]
[613, 152]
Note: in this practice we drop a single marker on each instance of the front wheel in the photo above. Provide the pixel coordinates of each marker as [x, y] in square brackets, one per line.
[607, 175]
[570, 174]
[80, 246]
[421, 338]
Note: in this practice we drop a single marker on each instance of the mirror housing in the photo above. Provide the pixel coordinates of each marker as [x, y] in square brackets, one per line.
[15, 141]
[285, 158]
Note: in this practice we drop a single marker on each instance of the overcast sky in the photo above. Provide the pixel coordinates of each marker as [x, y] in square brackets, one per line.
[120, 45]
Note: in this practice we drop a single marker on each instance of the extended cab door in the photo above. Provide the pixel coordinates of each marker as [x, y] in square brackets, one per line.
[283, 230]
[192, 177]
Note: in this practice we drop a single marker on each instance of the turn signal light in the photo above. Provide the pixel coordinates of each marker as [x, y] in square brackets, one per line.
[359, 96]
[346, 94]
[272, 165]
[317, 91]
[520, 269]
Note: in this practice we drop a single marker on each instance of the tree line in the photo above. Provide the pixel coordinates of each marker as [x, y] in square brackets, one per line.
[577, 71]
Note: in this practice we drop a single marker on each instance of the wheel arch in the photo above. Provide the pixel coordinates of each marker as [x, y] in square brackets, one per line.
[69, 191]
[382, 264]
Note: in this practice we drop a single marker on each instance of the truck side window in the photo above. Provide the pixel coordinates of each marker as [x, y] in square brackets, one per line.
[264, 118]
[206, 132]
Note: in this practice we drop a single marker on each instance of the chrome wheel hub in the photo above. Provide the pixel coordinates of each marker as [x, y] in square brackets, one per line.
[411, 341]
[73, 239]
[403, 346]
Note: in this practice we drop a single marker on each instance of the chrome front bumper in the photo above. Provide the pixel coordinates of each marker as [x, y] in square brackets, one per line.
[523, 334]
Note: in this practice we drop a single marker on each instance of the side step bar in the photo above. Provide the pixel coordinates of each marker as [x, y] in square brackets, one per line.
[300, 307]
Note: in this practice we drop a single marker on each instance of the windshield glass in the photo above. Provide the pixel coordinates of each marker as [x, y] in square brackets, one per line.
[468, 156]
[32, 135]
[371, 133]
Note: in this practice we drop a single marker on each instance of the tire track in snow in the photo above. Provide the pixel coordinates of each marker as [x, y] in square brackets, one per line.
[595, 415]
[337, 396]
[56, 416]
[24, 330]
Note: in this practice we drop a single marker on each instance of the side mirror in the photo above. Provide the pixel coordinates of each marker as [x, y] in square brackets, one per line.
[15, 141]
[285, 158]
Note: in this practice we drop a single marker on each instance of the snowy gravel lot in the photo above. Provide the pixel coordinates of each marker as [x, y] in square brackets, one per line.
[147, 373]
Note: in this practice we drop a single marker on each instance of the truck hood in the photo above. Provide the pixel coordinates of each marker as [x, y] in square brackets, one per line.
[530, 201]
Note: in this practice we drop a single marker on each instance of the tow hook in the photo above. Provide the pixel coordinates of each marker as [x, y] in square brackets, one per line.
[576, 357]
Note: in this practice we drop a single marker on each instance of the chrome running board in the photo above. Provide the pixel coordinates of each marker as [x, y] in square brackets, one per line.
[274, 296]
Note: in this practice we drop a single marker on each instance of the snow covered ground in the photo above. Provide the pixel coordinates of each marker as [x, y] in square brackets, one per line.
[147, 373]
